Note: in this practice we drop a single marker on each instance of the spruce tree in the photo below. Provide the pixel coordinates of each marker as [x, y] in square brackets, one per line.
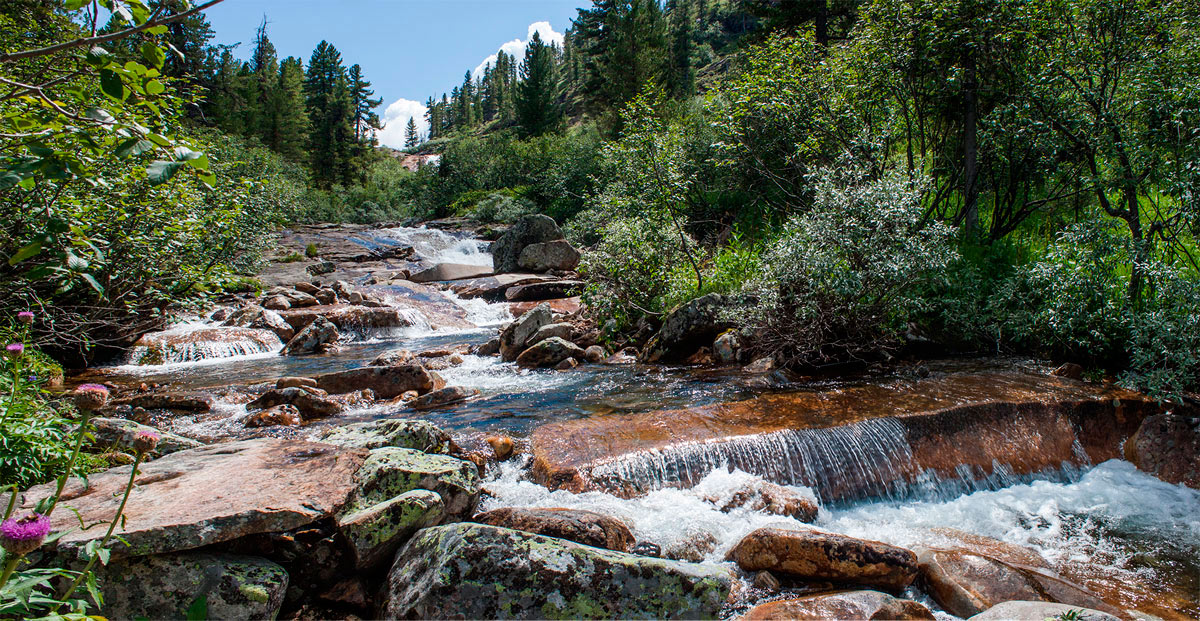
[538, 108]
[327, 103]
[410, 134]
[290, 122]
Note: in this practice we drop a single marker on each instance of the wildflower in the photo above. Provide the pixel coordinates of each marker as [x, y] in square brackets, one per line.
[91, 396]
[145, 441]
[25, 317]
[20, 536]
[14, 350]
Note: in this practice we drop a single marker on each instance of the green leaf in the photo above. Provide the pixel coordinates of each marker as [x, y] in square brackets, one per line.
[73, 5]
[186, 154]
[100, 114]
[25, 253]
[198, 611]
[112, 85]
[157, 30]
[199, 163]
[154, 87]
[153, 54]
[98, 56]
[91, 280]
[133, 147]
[161, 171]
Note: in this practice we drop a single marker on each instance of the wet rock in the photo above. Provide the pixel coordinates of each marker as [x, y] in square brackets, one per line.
[299, 299]
[813, 555]
[762, 365]
[187, 345]
[252, 316]
[1069, 370]
[113, 432]
[561, 330]
[966, 583]
[725, 348]
[276, 303]
[477, 571]
[164, 587]
[389, 472]
[442, 397]
[490, 348]
[208, 495]
[1168, 446]
[295, 382]
[168, 401]
[586, 527]
[566, 365]
[531, 229]
[315, 335]
[539, 291]
[361, 319]
[385, 382]
[311, 405]
[647, 548]
[354, 297]
[326, 297]
[375, 533]
[502, 446]
[306, 287]
[841, 605]
[492, 288]
[564, 306]
[392, 358]
[769, 498]
[694, 548]
[686, 329]
[548, 353]
[552, 255]
[1006, 611]
[514, 335]
[286, 415]
[594, 354]
[766, 581]
[324, 267]
[418, 435]
[450, 271]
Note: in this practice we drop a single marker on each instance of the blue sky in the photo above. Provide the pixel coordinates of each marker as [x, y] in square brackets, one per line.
[408, 49]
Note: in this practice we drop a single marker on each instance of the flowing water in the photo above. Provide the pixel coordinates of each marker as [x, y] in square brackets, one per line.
[1105, 524]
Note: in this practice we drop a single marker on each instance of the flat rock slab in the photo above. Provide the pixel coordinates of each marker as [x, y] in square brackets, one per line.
[207, 495]
[492, 288]
[451, 271]
[1040, 610]
[813, 555]
[586, 527]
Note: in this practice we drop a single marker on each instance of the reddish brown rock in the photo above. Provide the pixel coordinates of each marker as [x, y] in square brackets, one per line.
[562, 306]
[1168, 446]
[310, 403]
[842, 605]
[208, 495]
[584, 527]
[286, 415]
[813, 555]
[502, 446]
[769, 498]
[386, 382]
[295, 382]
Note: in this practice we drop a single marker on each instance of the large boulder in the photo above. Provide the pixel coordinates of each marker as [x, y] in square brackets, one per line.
[476, 571]
[376, 532]
[252, 316]
[1037, 611]
[184, 344]
[208, 495]
[166, 586]
[113, 432]
[687, 328]
[418, 435]
[451, 271]
[390, 472]
[531, 229]
[310, 404]
[385, 382]
[562, 330]
[1168, 446]
[547, 290]
[557, 255]
[586, 527]
[841, 605]
[813, 555]
[316, 335]
[514, 335]
[549, 353]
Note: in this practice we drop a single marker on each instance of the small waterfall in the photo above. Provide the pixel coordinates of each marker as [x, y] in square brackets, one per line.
[192, 343]
[434, 246]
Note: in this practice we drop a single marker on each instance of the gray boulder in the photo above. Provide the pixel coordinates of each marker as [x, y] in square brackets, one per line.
[552, 255]
[442, 396]
[532, 229]
[117, 431]
[514, 336]
[549, 353]
[418, 435]
[1040, 610]
[686, 329]
[450, 271]
[165, 586]
[389, 472]
[316, 335]
[375, 533]
[561, 330]
[252, 316]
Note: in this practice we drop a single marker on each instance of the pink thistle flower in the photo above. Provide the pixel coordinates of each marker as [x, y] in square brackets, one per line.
[14, 350]
[25, 317]
[145, 441]
[91, 396]
[20, 536]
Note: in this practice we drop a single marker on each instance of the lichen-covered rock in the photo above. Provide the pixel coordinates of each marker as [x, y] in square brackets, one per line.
[586, 527]
[311, 405]
[117, 431]
[1006, 611]
[561, 330]
[686, 329]
[390, 471]
[552, 255]
[1168, 446]
[549, 353]
[814, 555]
[321, 332]
[386, 382]
[375, 533]
[725, 348]
[164, 587]
[514, 336]
[842, 605]
[476, 571]
[444, 396]
[418, 435]
[531, 229]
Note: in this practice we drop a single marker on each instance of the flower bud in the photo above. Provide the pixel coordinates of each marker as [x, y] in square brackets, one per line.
[25, 317]
[20, 536]
[145, 441]
[91, 396]
[14, 350]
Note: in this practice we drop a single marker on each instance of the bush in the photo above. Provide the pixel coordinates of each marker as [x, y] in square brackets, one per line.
[1164, 336]
[311, 251]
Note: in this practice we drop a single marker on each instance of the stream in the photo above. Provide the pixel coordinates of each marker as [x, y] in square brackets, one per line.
[1105, 525]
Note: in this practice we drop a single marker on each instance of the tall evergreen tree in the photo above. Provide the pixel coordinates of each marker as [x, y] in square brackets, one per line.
[289, 127]
[539, 110]
[327, 102]
[411, 139]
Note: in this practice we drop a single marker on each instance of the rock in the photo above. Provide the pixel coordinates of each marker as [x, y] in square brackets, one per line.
[490, 348]
[725, 348]
[1069, 370]
[368, 320]
[111, 432]
[306, 287]
[566, 365]
[442, 397]
[286, 415]
[841, 605]
[813, 555]
[295, 382]
[392, 358]
[548, 353]
[208, 495]
[549, 290]
[693, 548]
[502, 446]
[354, 297]
[531, 229]
[324, 267]
[1168, 446]
[766, 581]
[1037, 611]
[561, 330]
[477, 571]
[375, 533]
[450, 271]
[326, 297]
[386, 382]
[552, 255]
[687, 328]
[586, 527]
[389, 472]
[165, 586]
[966, 583]
[647, 548]
[258, 317]
[185, 345]
[492, 288]
[320, 332]
[276, 302]
[514, 336]
[594, 354]
[564, 306]
[762, 365]
[299, 299]
[769, 498]
[310, 405]
[168, 401]
[418, 435]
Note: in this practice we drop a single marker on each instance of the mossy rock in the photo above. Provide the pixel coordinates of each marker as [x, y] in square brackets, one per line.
[418, 435]
[390, 472]
[165, 586]
[375, 533]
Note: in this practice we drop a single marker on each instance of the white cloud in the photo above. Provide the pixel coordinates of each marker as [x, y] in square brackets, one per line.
[395, 119]
[516, 47]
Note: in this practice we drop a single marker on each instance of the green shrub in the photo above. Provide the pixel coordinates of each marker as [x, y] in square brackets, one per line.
[311, 251]
[294, 257]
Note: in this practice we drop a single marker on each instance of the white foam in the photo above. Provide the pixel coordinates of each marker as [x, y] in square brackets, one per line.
[436, 246]
[491, 375]
[481, 312]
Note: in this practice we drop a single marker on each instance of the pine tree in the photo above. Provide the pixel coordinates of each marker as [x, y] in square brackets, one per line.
[289, 130]
[410, 134]
[538, 108]
[327, 102]
[365, 121]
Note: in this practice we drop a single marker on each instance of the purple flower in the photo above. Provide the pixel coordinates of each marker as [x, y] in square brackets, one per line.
[14, 350]
[25, 317]
[20, 536]
[91, 396]
[145, 441]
